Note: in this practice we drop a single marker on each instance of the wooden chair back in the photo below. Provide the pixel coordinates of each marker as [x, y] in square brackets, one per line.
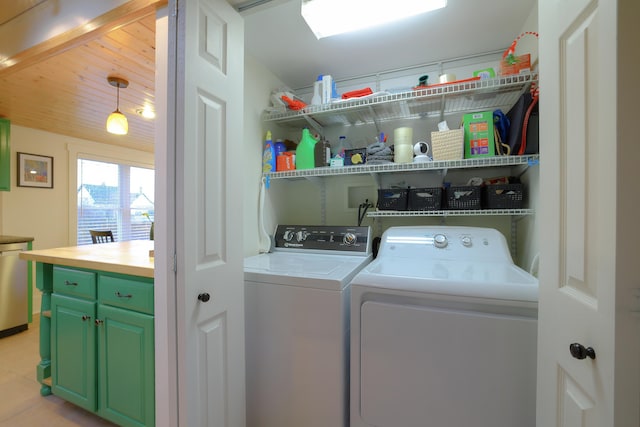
[101, 236]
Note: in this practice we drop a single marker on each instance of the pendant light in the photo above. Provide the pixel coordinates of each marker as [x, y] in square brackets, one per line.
[117, 122]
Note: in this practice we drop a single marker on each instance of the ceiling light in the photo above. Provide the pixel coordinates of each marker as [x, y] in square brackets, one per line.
[146, 112]
[117, 122]
[330, 17]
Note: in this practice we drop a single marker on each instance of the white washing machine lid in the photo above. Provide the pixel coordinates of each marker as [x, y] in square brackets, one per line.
[491, 280]
[332, 272]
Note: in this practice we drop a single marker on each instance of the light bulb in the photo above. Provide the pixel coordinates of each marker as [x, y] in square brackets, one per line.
[117, 123]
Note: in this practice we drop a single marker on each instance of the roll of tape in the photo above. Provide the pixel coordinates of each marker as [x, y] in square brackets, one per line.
[447, 78]
[421, 147]
[403, 136]
[403, 153]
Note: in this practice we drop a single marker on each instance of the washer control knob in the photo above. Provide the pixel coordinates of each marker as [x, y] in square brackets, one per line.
[349, 239]
[466, 241]
[440, 241]
[288, 235]
[301, 236]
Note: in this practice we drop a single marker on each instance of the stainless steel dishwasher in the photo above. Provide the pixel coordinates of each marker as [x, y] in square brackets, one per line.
[13, 289]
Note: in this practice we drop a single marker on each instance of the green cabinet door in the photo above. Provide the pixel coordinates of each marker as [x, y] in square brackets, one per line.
[73, 350]
[126, 367]
[5, 154]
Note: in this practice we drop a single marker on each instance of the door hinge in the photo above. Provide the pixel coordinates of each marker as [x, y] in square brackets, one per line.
[175, 262]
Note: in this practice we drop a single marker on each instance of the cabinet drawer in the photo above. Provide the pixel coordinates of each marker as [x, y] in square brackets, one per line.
[126, 292]
[74, 282]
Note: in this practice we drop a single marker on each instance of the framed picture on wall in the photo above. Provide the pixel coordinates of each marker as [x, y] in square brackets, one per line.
[35, 171]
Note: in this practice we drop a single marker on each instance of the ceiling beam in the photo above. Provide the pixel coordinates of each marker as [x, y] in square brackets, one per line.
[116, 18]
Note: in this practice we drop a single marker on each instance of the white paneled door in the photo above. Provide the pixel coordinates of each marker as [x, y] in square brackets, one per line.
[583, 223]
[208, 103]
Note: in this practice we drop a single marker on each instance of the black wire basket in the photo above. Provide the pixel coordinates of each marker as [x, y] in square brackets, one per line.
[503, 196]
[393, 199]
[425, 199]
[464, 197]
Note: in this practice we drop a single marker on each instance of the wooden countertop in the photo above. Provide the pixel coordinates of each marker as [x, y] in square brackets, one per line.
[14, 239]
[131, 257]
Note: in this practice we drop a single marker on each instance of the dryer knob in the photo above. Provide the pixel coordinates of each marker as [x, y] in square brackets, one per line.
[466, 241]
[440, 241]
[349, 239]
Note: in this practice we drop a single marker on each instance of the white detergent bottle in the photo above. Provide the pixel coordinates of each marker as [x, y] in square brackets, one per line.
[317, 92]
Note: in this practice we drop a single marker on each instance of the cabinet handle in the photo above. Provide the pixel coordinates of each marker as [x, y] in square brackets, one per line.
[119, 295]
[85, 318]
[99, 322]
[204, 297]
[68, 283]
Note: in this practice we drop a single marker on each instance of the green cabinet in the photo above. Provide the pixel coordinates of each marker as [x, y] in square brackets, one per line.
[102, 344]
[126, 367]
[73, 350]
[5, 155]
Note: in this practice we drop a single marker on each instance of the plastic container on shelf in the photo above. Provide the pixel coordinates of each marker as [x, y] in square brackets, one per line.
[280, 147]
[341, 146]
[305, 158]
[322, 154]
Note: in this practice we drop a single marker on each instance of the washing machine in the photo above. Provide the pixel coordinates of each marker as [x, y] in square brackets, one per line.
[443, 332]
[297, 325]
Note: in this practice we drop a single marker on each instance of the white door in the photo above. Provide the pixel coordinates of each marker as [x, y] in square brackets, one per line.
[206, 44]
[586, 278]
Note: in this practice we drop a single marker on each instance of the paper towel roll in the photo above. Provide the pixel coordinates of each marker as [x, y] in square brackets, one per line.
[403, 153]
[403, 136]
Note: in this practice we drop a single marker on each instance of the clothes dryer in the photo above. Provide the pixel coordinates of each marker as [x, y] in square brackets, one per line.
[297, 326]
[443, 332]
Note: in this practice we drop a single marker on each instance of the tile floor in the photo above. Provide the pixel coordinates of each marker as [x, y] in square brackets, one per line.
[20, 402]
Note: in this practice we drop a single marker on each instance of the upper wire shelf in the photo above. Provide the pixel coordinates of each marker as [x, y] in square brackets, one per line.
[478, 95]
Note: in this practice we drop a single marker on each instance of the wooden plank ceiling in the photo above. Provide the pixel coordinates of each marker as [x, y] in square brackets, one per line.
[68, 93]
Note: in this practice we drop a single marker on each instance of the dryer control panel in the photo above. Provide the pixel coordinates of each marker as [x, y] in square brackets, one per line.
[323, 238]
[445, 242]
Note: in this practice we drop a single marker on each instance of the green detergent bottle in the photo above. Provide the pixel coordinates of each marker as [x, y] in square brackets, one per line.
[304, 153]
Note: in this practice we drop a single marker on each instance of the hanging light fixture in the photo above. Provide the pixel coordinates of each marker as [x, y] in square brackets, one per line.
[117, 122]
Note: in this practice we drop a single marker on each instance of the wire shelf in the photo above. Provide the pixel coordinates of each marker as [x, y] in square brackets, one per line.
[478, 95]
[407, 167]
[460, 212]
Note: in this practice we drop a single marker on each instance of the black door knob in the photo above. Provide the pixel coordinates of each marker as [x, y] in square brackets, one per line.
[204, 297]
[580, 352]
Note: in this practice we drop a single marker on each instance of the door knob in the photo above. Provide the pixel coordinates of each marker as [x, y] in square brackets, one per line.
[580, 352]
[204, 297]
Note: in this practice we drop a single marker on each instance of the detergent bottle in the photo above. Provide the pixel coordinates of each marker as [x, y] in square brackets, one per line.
[268, 155]
[305, 158]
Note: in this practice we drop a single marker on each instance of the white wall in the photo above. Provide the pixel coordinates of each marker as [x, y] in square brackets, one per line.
[44, 213]
[257, 90]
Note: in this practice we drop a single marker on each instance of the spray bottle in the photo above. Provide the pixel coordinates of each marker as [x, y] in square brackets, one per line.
[268, 155]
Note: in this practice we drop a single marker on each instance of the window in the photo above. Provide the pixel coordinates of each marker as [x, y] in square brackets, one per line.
[116, 197]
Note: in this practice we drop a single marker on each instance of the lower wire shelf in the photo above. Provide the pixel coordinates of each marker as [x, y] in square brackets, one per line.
[459, 212]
